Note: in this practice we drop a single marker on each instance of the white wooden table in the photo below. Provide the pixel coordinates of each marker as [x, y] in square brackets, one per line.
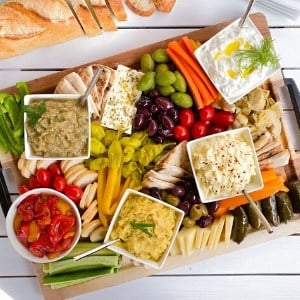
[266, 271]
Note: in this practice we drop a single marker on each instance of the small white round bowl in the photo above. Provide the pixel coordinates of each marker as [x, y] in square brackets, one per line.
[23, 250]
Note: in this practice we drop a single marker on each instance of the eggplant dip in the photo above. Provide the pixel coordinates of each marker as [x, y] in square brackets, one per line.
[61, 130]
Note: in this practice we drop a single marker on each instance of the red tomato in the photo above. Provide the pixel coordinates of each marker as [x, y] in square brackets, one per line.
[43, 177]
[54, 170]
[224, 118]
[59, 183]
[74, 192]
[25, 209]
[59, 226]
[41, 246]
[33, 183]
[23, 188]
[199, 129]
[207, 113]
[181, 133]
[214, 129]
[186, 117]
[22, 233]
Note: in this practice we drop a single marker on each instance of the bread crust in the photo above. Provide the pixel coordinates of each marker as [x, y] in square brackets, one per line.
[137, 9]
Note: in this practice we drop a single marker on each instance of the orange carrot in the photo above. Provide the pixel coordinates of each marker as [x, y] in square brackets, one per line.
[182, 68]
[270, 188]
[186, 41]
[174, 45]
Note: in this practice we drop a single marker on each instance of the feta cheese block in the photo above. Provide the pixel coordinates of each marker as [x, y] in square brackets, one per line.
[119, 108]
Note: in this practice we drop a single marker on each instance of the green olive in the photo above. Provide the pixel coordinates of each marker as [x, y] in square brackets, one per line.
[180, 83]
[165, 78]
[182, 99]
[161, 68]
[173, 200]
[146, 82]
[166, 90]
[147, 63]
[160, 56]
[196, 211]
[188, 222]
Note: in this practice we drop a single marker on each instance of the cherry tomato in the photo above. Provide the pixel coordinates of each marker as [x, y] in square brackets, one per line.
[214, 129]
[41, 246]
[26, 209]
[33, 183]
[199, 129]
[59, 183]
[22, 233]
[43, 177]
[74, 192]
[23, 188]
[59, 226]
[181, 133]
[186, 117]
[54, 170]
[224, 118]
[207, 113]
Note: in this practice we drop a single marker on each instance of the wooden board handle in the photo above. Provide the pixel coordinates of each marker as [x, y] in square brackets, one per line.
[5, 199]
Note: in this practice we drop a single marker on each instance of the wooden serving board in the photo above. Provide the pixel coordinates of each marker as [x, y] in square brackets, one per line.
[129, 271]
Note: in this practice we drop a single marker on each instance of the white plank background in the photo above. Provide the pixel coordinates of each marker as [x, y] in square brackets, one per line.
[267, 271]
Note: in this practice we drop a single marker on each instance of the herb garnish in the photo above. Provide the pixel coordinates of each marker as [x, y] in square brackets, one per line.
[254, 57]
[33, 115]
[143, 227]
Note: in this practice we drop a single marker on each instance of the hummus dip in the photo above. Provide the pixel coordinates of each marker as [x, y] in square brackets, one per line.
[62, 131]
[145, 227]
[224, 165]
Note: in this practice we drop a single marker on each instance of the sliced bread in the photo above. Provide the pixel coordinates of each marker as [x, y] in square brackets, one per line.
[164, 5]
[141, 7]
[118, 9]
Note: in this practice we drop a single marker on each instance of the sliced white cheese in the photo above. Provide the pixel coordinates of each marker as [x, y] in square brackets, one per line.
[228, 228]
[206, 234]
[198, 237]
[119, 109]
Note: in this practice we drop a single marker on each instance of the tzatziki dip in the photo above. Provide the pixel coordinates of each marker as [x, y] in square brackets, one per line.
[219, 59]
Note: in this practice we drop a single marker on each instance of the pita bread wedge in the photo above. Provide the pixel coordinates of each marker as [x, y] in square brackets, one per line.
[278, 160]
[87, 228]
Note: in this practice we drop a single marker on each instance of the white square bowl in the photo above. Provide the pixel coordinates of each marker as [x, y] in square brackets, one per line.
[56, 97]
[117, 248]
[256, 181]
[214, 58]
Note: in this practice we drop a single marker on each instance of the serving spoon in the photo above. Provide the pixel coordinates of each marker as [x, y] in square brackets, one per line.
[89, 252]
[93, 81]
[245, 15]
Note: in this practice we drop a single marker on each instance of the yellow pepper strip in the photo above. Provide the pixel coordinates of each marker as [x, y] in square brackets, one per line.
[113, 208]
[100, 193]
[118, 184]
[112, 174]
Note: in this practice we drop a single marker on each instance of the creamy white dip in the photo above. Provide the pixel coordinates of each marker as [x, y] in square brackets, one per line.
[219, 60]
[223, 165]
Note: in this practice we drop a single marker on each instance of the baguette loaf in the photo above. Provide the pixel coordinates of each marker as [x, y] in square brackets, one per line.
[118, 9]
[103, 15]
[85, 17]
[29, 24]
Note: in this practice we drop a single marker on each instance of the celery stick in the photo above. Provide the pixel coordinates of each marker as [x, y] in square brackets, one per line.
[76, 277]
[81, 280]
[85, 246]
[89, 262]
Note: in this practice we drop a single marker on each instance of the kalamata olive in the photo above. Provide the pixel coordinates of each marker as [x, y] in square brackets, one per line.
[205, 221]
[139, 121]
[213, 206]
[190, 184]
[152, 127]
[154, 93]
[178, 190]
[153, 108]
[163, 103]
[167, 122]
[185, 206]
[144, 102]
[174, 114]
[156, 193]
[159, 115]
[191, 197]
[146, 112]
[158, 139]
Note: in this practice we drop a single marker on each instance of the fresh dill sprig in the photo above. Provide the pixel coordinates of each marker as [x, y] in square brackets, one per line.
[256, 57]
[143, 227]
[33, 115]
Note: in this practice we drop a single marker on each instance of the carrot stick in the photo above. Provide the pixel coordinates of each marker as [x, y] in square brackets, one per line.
[192, 86]
[188, 45]
[174, 45]
[270, 188]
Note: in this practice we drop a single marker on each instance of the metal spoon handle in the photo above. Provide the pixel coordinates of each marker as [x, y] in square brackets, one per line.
[84, 254]
[245, 15]
[258, 212]
[90, 86]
